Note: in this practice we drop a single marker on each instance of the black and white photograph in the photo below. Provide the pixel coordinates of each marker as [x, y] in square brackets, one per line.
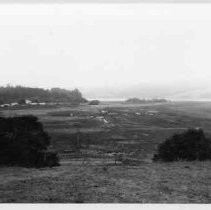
[105, 102]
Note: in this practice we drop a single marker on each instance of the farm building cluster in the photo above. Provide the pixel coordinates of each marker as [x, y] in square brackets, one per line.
[22, 103]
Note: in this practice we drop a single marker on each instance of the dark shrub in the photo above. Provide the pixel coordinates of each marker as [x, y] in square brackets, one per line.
[190, 145]
[21, 101]
[94, 102]
[22, 142]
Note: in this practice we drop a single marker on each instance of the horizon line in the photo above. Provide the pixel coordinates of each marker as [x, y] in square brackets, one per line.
[101, 1]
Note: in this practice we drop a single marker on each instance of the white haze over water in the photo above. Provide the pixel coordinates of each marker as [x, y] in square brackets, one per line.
[109, 50]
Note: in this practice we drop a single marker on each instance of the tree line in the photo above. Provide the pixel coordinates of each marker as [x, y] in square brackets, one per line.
[10, 94]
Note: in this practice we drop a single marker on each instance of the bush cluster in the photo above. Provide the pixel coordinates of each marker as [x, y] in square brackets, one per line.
[94, 102]
[23, 142]
[190, 145]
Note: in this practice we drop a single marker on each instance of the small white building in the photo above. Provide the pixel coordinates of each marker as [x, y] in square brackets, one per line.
[14, 104]
[28, 101]
[33, 103]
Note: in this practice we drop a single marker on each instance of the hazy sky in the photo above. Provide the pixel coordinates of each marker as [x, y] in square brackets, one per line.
[105, 45]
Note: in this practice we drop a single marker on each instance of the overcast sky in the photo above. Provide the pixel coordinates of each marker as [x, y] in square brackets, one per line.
[105, 45]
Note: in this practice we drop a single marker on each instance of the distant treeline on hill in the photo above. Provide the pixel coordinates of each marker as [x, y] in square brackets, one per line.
[10, 94]
[137, 100]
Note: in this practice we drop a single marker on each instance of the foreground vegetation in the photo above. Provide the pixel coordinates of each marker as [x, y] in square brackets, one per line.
[23, 142]
[190, 145]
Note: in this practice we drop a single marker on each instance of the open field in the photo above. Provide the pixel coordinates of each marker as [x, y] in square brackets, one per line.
[134, 131]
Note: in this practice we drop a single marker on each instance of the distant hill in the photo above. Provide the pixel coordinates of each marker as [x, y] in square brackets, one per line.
[11, 94]
[134, 100]
[137, 100]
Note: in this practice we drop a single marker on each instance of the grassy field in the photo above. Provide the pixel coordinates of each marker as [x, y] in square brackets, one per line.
[147, 183]
[94, 176]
